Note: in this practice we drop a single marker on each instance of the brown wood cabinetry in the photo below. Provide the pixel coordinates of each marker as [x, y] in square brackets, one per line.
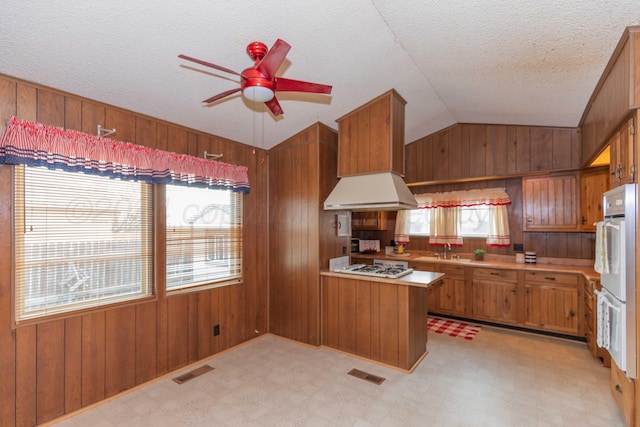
[551, 302]
[494, 295]
[452, 297]
[380, 321]
[623, 391]
[550, 203]
[372, 137]
[372, 220]
[622, 167]
[593, 183]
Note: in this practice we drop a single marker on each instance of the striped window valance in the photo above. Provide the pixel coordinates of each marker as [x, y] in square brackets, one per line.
[36, 144]
[454, 199]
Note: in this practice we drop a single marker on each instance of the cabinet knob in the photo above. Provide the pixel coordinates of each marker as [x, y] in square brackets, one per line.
[618, 388]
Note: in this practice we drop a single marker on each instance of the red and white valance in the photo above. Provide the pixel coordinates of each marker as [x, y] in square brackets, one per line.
[36, 144]
[453, 199]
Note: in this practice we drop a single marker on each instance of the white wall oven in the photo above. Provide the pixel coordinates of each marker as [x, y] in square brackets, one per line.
[615, 260]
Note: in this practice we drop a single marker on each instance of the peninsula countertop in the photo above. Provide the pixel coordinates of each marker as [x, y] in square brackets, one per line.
[421, 279]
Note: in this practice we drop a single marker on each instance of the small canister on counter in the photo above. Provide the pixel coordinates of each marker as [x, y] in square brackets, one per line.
[520, 257]
[530, 257]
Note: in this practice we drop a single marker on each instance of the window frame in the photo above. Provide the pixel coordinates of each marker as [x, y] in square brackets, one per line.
[147, 290]
[237, 201]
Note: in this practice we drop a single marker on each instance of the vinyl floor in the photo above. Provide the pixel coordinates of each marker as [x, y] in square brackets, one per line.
[501, 378]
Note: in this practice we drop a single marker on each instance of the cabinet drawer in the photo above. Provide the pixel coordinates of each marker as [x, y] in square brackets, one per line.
[423, 266]
[551, 278]
[495, 273]
[452, 270]
[623, 393]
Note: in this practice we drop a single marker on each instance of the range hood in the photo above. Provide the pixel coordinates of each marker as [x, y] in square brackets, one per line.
[383, 191]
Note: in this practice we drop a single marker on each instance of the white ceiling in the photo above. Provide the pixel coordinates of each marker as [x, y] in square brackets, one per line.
[473, 61]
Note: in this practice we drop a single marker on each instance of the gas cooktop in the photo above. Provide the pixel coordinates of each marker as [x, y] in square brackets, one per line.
[385, 271]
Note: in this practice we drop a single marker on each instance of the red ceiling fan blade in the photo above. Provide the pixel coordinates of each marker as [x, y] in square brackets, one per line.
[221, 95]
[208, 64]
[274, 58]
[274, 106]
[288, 85]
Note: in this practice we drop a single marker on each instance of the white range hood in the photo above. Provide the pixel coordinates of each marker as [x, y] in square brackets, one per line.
[384, 191]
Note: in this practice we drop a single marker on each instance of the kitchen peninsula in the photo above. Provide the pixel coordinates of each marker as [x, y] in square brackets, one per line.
[383, 320]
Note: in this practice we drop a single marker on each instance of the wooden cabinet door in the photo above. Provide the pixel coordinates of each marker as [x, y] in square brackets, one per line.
[452, 296]
[552, 308]
[433, 300]
[551, 203]
[622, 166]
[593, 184]
[494, 300]
[373, 220]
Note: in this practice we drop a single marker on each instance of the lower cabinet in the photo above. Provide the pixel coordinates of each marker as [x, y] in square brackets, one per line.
[623, 392]
[548, 301]
[451, 298]
[494, 295]
[551, 302]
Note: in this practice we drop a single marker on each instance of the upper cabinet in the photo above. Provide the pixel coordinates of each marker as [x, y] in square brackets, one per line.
[622, 167]
[551, 202]
[371, 138]
[593, 183]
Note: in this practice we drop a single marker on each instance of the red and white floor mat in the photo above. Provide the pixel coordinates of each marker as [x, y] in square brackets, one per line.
[452, 328]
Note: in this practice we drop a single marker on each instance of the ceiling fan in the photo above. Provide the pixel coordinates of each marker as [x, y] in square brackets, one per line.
[259, 83]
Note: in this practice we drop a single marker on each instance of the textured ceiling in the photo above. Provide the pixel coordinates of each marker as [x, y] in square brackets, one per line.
[474, 61]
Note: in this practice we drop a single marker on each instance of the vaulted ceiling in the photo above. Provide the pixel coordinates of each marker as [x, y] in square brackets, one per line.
[472, 61]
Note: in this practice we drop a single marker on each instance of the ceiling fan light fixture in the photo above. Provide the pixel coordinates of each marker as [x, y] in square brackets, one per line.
[258, 93]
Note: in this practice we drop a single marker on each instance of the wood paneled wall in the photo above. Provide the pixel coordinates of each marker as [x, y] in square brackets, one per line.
[555, 245]
[56, 367]
[468, 151]
[302, 236]
[615, 95]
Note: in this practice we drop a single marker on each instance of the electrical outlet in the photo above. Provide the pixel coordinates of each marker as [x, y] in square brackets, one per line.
[216, 330]
[344, 250]
[518, 247]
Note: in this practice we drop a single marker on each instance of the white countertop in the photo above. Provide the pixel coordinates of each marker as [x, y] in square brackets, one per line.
[422, 279]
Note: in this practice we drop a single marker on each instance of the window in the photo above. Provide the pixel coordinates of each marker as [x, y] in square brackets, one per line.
[80, 241]
[203, 237]
[448, 217]
[474, 221]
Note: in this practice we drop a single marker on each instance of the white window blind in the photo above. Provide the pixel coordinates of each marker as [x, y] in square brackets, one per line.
[203, 237]
[81, 241]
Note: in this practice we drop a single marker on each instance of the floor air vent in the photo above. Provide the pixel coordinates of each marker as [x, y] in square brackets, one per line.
[192, 374]
[366, 376]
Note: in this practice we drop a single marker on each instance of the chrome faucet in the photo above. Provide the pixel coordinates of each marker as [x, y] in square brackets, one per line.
[446, 245]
